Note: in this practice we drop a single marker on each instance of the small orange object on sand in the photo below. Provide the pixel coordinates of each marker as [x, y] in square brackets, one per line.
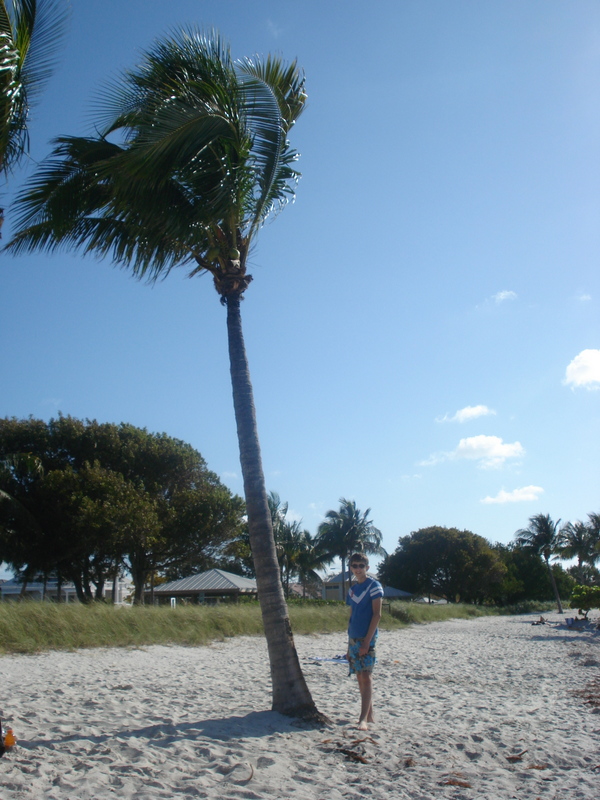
[10, 739]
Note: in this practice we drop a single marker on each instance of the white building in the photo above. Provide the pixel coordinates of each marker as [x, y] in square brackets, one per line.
[35, 590]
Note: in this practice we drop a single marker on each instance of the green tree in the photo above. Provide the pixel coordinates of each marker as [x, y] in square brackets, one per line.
[348, 531]
[526, 576]
[198, 158]
[297, 552]
[445, 562]
[542, 537]
[109, 497]
[20, 531]
[593, 525]
[584, 598]
[93, 520]
[309, 559]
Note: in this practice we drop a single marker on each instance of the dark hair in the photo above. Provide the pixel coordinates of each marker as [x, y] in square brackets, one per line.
[359, 557]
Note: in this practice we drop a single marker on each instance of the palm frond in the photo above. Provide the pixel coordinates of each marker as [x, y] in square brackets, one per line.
[30, 37]
[200, 160]
[79, 198]
[39, 26]
[286, 81]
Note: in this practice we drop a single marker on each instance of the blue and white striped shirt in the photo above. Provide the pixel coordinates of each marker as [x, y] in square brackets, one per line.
[360, 599]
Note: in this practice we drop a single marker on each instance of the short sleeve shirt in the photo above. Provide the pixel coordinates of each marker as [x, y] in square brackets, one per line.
[360, 599]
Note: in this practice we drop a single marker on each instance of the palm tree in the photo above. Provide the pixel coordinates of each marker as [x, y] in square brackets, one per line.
[347, 531]
[577, 540]
[542, 538]
[191, 158]
[594, 529]
[308, 560]
[297, 552]
[30, 34]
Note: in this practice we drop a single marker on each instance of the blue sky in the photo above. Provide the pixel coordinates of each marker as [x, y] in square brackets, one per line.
[423, 328]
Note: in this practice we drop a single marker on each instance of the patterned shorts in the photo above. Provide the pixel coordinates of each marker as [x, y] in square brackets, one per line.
[358, 663]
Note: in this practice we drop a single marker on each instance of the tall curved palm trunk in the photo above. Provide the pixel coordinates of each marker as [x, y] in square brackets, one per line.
[290, 692]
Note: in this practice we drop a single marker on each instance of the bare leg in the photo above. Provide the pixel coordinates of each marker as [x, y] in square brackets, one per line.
[365, 686]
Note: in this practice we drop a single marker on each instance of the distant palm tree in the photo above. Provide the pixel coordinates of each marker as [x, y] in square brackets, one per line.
[542, 537]
[309, 559]
[348, 531]
[191, 159]
[30, 35]
[577, 540]
[297, 552]
[594, 528]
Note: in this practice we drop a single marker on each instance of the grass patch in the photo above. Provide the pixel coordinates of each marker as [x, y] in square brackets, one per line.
[32, 627]
[418, 613]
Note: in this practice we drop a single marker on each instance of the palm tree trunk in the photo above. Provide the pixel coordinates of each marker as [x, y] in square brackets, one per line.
[554, 587]
[290, 692]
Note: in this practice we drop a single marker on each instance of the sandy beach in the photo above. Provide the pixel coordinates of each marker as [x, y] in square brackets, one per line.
[483, 708]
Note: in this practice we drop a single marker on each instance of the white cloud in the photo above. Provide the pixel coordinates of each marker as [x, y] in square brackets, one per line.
[584, 370]
[584, 298]
[467, 413]
[522, 495]
[489, 451]
[500, 297]
[293, 516]
[274, 30]
[229, 476]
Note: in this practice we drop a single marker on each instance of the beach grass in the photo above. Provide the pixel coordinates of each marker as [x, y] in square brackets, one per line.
[32, 627]
[419, 613]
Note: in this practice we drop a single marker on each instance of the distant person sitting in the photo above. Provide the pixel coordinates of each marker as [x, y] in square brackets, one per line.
[364, 599]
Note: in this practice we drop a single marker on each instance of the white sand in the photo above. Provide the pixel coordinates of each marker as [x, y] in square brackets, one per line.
[453, 700]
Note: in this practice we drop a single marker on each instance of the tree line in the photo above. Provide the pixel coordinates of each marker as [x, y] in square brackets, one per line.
[85, 502]
[461, 565]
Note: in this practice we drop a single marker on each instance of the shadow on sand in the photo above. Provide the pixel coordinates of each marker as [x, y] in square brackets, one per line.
[256, 724]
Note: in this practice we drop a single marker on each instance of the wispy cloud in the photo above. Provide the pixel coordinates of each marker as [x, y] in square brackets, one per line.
[51, 402]
[584, 370]
[293, 516]
[467, 413]
[501, 297]
[525, 494]
[489, 451]
[274, 29]
[584, 298]
[496, 299]
[229, 476]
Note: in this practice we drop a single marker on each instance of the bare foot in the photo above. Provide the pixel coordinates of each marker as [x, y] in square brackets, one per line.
[362, 725]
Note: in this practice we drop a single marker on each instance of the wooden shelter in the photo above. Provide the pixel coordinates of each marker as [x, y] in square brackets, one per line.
[207, 586]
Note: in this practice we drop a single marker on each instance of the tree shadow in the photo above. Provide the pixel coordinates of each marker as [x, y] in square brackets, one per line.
[255, 725]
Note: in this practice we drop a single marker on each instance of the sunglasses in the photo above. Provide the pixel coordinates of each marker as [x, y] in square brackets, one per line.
[358, 566]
